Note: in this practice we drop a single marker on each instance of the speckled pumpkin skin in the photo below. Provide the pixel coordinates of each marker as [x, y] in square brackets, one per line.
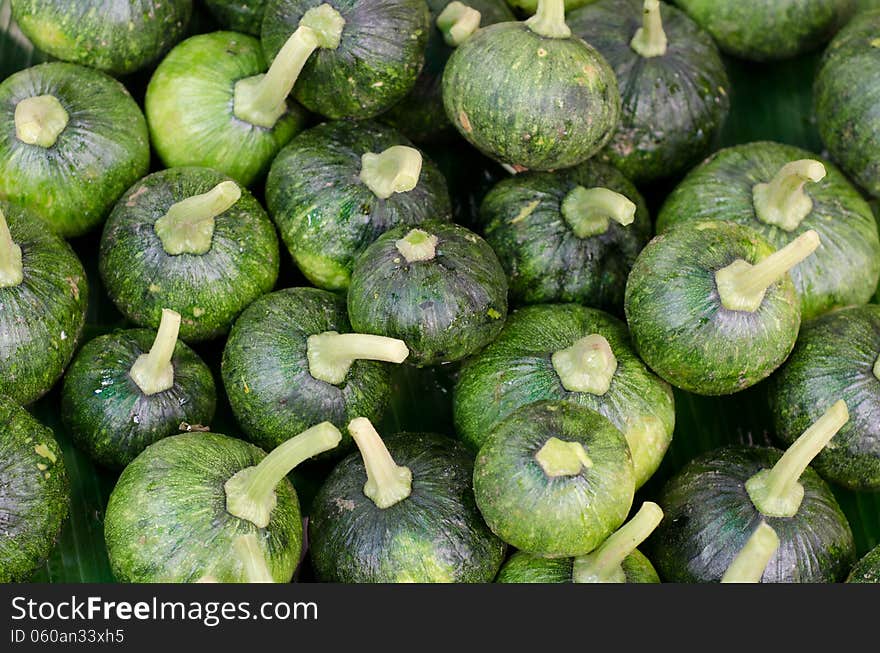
[238, 15]
[523, 567]
[866, 570]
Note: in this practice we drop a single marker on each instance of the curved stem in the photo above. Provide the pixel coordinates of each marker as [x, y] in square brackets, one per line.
[783, 202]
[153, 372]
[549, 20]
[742, 286]
[250, 493]
[650, 39]
[458, 22]
[188, 226]
[40, 120]
[560, 458]
[11, 266]
[604, 564]
[589, 211]
[261, 100]
[332, 354]
[749, 564]
[387, 482]
[587, 366]
[396, 170]
[248, 549]
[417, 245]
[777, 492]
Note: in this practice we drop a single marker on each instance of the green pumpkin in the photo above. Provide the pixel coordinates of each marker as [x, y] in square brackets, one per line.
[192, 240]
[438, 287]
[192, 111]
[44, 296]
[571, 236]
[783, 191]
[128, 389]
[524, 567]
[571, 353]
[710, 310]
[116, 36]
[530, 6]
[554, 479]
[836, 357]
[238, 15]
[34, 492]
[71, 141]
[274, 382]
[372, 61]
[338, 186]
[405, 513]
[866, 570]
[759, 30]
[672, 81]
[211, 490]
[530, 94]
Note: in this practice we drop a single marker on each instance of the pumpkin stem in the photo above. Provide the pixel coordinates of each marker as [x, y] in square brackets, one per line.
[332, 354]
[783, 202]
[742, 286]
[560, 458]
[604, 564]
[40, 120]
[589, 211]
[153, 372]
[417, 245]
[650, 39]
[11, 266]
[587, 366]
[250, 493]
[749, 564]
[458, 22]
[249, 551]
[387, 482]
[396, 170]
[262, 99]
[777, 492]
[549, 20]
[188, 226]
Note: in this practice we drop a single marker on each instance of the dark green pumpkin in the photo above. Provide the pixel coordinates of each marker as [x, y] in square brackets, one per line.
[526, 221]
[445, 304]
[673, 94]
[524, 567]
[326, 214]
[238, 15]
[117, 36]
[379, 56]
[34, 492]
[528, 100]
[866, 570]
[517, 369]
[845, 268]
[99, 148]
[41, 314]
[208, 290]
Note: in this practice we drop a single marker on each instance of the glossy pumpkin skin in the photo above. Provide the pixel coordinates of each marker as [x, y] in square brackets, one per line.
[119, 36]
[523, 567]
[517, 370]
[834, 359]
[559, 516]
[172, 495]
[709, 516]
[673, 105]
[545, 261]
[102, 151]
[42, 318]
[758, 30]
[435, 535]
[866, 570]
[529, 101]
[34, 492]
[846, 267]
[189, 107]
[445, 309]
[238, 15]
[210, 290]
[111, 418]
[327, 216]
[681, 329]
[380, 54]
[266, 370]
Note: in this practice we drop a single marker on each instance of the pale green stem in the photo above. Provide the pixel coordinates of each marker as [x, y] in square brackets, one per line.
[332, 354]
[589, 211]
[153, 372]
[783, 202]
[650, 39]
[396, 170]
[11, 266]
[387, 482]
[750, 563]
[877, 368]
[188, 226]
[40, 120]
[777, 492]
[417, 245]
[560, 458]
[549, 20]
[253, 560]
[587, 366]
[458, 22]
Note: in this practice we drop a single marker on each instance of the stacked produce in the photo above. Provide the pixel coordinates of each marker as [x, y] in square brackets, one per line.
[388, 303]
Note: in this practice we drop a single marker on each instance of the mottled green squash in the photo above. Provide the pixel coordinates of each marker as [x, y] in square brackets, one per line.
[238, 15]
[810, 193]
[34, 492]
[529, 6]
[331, 197]
[72, 140]
[866, 570]
[524, 567]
